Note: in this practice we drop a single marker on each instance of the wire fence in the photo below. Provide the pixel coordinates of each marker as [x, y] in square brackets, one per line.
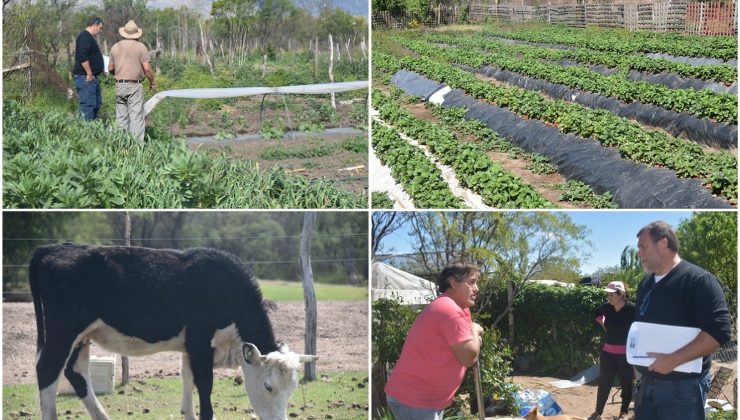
[695, 18]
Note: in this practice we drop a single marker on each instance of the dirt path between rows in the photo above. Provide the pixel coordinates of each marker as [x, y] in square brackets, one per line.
[342, 341]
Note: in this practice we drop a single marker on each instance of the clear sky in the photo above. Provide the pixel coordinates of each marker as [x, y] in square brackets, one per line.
[611, 231]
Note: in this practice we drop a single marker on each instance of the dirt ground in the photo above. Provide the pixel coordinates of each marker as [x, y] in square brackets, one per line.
[342, 341]
[581, 400]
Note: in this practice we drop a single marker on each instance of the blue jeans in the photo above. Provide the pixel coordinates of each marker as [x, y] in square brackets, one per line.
[678, 399]
[90, 96]
[404, 412]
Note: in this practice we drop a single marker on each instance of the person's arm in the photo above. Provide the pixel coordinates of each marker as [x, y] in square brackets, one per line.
[88, 70]
[703, 345]
[150, 75]
[467, 351]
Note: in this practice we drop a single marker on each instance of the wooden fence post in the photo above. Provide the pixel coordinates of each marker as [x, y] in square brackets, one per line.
[126, 242]
[309, 295]
[331, 70]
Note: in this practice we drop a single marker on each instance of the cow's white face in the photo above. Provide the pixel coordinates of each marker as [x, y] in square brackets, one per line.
[271, 379]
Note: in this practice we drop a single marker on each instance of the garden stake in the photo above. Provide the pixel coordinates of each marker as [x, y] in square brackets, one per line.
[478, 391]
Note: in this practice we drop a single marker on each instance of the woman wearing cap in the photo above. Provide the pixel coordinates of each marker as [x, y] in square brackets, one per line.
[615, 317]
[442, 342]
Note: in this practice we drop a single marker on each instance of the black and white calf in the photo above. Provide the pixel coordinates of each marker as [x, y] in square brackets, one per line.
[137, 301]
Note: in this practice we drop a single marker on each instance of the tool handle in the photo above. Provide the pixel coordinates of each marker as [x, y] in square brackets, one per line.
[478, 391]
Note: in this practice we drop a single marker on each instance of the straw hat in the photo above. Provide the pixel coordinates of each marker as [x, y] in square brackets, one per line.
[130, 31]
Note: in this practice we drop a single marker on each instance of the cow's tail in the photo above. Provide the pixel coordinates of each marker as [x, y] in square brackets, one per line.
[34, 280]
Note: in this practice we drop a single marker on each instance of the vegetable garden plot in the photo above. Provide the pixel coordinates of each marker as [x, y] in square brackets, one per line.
[703, 177]
[610, 93]
[56, 160]
[633, 185]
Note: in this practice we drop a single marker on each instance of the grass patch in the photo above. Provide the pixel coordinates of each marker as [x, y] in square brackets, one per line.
[342, 395]
[286, 290]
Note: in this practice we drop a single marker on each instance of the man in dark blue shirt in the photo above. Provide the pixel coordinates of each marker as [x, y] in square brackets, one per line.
[676, 292]
[88, 65]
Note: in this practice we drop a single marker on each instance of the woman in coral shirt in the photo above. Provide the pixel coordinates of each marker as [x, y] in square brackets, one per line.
[441, 344]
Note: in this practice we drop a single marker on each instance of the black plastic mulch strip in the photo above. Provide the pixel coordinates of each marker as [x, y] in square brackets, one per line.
[681, 124]
[634, 185]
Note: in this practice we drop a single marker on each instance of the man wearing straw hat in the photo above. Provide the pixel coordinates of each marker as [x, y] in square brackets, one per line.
[129, 63]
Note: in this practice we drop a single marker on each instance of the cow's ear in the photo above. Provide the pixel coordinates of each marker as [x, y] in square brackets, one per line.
[251, 354]
[283, 348]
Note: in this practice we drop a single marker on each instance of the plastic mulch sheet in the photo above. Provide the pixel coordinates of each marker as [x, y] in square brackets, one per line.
[699, 130]
[634, 185]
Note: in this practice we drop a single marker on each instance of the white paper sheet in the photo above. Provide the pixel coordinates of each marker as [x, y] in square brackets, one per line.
[646, 337]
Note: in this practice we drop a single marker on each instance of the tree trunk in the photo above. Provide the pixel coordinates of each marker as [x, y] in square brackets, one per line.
[309, 219]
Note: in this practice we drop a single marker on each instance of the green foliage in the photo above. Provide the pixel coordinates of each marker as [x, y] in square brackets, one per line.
[495, 370]
[556, 326]
[52, 160]
[272, 129]
[709, 240]
[420, 178]
[722, 415]
[300, 152]
[355, 145]
[391, 322]
[716, 170]
[381, 200]
[579, 192]
[497, 186]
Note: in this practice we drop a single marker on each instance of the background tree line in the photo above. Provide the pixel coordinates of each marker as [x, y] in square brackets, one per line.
[266, 26]
[267, 241]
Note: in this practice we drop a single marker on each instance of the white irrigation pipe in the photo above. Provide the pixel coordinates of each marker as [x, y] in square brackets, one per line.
[252, 91]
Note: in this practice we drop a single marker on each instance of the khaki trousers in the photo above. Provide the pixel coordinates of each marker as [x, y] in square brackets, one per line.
[130, 108]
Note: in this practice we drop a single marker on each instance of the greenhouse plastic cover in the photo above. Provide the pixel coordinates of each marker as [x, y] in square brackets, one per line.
[634, 185]
[252, 91]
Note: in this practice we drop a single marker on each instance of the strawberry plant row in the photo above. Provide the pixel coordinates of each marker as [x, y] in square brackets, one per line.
[625, 42]
[704, 103]
[572, 191]
[721, 73]
[717, 170]
[498, 187]
[420, 178]
[54, 160]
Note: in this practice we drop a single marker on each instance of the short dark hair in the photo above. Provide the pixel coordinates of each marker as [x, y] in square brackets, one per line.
[94, 21]
[457, 271]
[659, 230]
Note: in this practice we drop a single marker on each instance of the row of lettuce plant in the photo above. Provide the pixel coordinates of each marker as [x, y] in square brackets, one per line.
[624, 62]
[475, 170]
[419, 177]
[625, 42]
[718, 171]
[720, 107]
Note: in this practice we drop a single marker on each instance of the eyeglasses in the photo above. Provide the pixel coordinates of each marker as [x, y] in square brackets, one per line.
[645, 303]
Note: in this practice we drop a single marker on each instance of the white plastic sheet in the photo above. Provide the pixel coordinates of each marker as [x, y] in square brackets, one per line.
[206, 93]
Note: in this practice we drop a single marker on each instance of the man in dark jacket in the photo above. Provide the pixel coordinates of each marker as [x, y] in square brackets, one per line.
[676, 292]
[88, 65]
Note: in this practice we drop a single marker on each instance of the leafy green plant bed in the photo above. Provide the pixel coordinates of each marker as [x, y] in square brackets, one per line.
[53, 160]
[718, 171]
[340, 395]
[418, 176]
